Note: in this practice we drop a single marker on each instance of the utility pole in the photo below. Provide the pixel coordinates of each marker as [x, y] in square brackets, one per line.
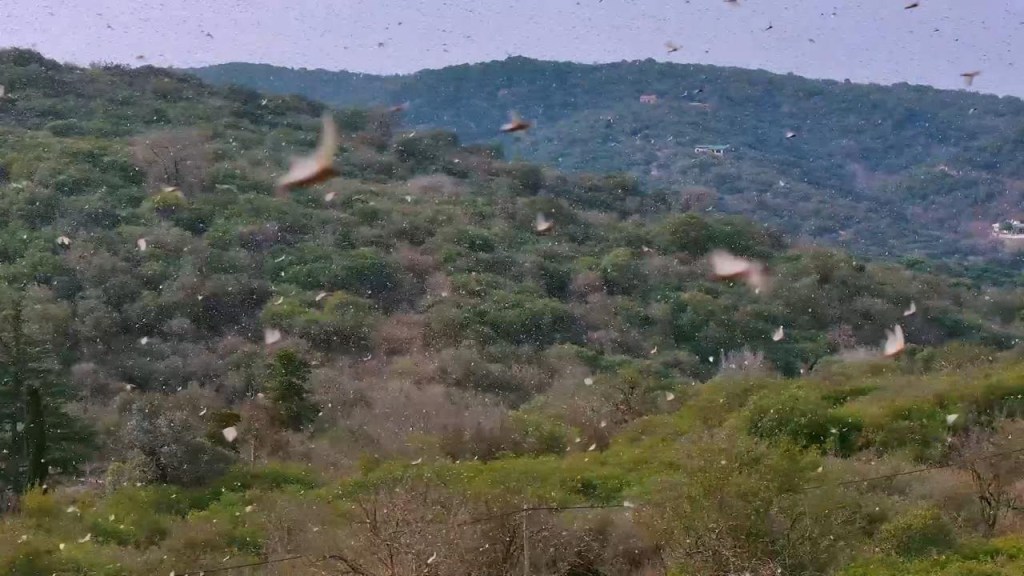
[526, 554]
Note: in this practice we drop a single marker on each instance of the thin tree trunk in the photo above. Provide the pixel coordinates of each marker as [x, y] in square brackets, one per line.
[18, 365]
[35, 436]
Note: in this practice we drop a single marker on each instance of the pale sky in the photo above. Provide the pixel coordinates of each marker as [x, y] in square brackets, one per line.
[864, 40]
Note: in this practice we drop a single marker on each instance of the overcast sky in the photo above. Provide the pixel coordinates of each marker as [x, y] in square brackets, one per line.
[865, 40]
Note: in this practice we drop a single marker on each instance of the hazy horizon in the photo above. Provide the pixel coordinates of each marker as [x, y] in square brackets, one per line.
[874, 41]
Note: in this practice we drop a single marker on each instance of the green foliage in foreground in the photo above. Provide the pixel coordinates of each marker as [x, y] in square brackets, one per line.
[1001, 557]
[714, 498]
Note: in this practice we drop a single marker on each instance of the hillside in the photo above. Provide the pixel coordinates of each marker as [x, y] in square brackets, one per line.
[885, 170]
[376, 375]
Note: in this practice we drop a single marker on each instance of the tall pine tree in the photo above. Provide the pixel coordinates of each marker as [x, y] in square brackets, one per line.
[36, 434]
[289, 375]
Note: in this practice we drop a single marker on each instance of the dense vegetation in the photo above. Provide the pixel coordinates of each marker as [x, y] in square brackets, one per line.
[441, 365]
[883, 170]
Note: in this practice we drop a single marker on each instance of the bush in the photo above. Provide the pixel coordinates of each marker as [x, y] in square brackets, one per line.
[38, 505]
[736, 504]
[804, 418]
[228, 299]
[425, 151]
[622, 272]
[528, 179]
[468, 367]
[522, 319]
[142, 515]
[267, 478]
[684, 233]
[364, 272]
[538, 436]
[345, 322]
[475, 240]
[37, 557]
[917, 533]
[220, 420]
[169, 202]
[134, 470]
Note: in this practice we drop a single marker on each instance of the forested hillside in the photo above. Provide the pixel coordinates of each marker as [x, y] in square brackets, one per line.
[883, 170]
[378, 374]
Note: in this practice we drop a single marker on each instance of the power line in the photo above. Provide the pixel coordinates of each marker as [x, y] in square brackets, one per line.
[909, 472]
[541, 509]
[248, 565]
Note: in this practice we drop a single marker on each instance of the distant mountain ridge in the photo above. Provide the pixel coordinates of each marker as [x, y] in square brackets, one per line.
[887, 170]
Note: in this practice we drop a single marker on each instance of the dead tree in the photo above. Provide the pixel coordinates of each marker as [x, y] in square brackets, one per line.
[420, 528]
[993, 478]
[179, 158]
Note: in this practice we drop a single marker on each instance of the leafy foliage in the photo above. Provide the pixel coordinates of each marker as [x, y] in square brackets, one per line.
[289, 374]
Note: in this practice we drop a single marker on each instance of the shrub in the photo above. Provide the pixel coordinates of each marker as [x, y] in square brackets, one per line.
[134, 470]
[684, 233]
[475, 240]
[38, 505]
[468, 367]
[735, 505]
[228, 299]
[425, 151]
[142, 515]
[804, 418]
[345, 322]
[527, 179]
[220, 420]
[622, 272]
[522, 319]
[364, 272]
[399, 334]
[169, 202]
[537, 435]
[37, 557]
[270, 477]
[916, 533]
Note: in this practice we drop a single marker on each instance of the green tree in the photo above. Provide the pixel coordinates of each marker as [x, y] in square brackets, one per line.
[36, 434]
[342, 322]
[738, 505]
[160, 441]
[289, 377]
[622, 272]
[804, 418]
